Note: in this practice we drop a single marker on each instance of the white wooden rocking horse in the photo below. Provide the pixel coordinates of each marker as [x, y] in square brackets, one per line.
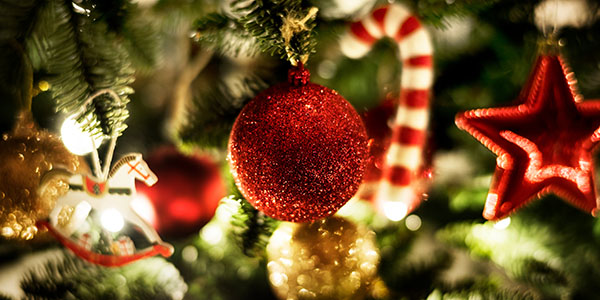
[87, 198]
[95, 218]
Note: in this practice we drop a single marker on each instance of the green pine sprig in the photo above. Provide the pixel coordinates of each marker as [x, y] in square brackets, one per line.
[16, 18]
[269, 22]
[282, 28]
[77, 55]
[72, 278]
[436, 12]
[225, 35]
[252, 228]
[215, 108]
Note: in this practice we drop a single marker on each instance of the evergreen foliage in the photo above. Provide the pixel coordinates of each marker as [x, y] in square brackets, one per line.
[542, 250]
[71, 278]
[252, 229]
[16, 18]
[435, 11]
[225, 35]
[549, 251]
[489, 293]
[221, 270]
[77, 56]
[264, 21]
[217, 104]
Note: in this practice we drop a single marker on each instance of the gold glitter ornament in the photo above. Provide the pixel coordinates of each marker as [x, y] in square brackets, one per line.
[328, 259]
[25, 155]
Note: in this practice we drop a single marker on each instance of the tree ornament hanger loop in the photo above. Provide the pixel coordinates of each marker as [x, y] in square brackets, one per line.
[102, 172]
[291, 26]
[549, 20]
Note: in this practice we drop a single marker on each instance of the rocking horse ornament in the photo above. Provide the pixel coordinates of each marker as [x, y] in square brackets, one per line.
[95, 218]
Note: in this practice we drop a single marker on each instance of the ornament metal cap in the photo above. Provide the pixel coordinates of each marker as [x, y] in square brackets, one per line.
[549, 45]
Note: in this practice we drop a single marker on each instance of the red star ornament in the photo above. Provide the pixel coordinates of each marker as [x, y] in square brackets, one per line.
[543, 145]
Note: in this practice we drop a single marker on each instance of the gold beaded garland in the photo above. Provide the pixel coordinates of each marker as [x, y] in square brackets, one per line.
[25, 155]
[327, 259]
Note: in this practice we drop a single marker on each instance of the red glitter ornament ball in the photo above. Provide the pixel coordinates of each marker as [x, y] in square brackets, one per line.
[186, 195]
[298, 150]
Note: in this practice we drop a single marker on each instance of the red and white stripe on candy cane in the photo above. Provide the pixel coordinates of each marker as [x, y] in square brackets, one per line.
[396, 193]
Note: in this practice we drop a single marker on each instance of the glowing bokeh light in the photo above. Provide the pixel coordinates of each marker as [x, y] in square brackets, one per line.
[212, 233]
[413, 222]
[142, 205]
[76, 139]
[189, 253]
[112, 220]
[502, 224]
[395, 211]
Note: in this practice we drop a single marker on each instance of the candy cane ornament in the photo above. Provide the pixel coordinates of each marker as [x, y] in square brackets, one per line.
[396, 193]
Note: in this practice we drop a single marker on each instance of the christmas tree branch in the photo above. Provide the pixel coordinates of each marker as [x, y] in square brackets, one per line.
[78, 56]
[142, 42]
[225, 35]
[282, 27]
[214, 110]
[23, 75]
[484, 293]
[16, 18]
[136, 33]
[252, 229]
[181, 92]
[434, 11]
[538, 250]
[72, 278]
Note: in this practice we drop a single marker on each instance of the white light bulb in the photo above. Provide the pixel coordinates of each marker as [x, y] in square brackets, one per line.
[75, 139]
[395, 210]
[112, 220]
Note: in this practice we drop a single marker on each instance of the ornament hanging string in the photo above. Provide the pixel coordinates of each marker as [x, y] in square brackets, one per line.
[397, 192]
[555, 17]
[293, 25]
[102, 173]
[542, 12]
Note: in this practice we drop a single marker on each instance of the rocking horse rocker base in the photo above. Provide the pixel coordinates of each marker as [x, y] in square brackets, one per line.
[107, 260]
